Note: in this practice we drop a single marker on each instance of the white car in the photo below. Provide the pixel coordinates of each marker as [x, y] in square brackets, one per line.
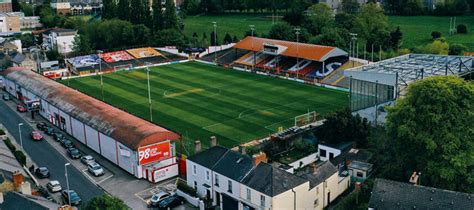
[87, 159]
[158, 197]
[95, 169]
[54, 186]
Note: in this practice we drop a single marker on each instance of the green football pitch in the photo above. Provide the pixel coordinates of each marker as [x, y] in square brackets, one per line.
[199, 100]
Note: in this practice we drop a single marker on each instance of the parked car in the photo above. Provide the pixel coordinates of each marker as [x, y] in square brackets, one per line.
[50, 131]
[36, 135]
[170, 202]
[54, 186]
[21, 108]
[66, 143]
[72, 197]
[57, 135]
[74, 153]
[86, 159]
[42, 172]
[157, 198]
[41, 126]
[95, 169]
[6, 97]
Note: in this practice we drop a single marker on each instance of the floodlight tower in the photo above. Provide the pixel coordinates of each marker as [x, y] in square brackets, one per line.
[297, 32]
[353, 44]
[100, 73]
[252, 29]
[215, 41]
[149, 89]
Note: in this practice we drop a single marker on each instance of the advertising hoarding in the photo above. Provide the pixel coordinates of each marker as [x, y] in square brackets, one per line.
[154, 152]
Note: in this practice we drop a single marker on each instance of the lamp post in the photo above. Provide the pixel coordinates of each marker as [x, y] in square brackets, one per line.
[252, 29]
[297, 32]
[353, 42]
[215, 41]
[149, 89]
[19, 133]
[100, 73]
[67, 184]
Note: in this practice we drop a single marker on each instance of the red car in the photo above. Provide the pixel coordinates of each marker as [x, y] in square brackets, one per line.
[36, 135]
[21, 108]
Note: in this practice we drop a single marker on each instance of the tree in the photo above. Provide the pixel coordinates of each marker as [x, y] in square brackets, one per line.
[436, 35]
[157, 16]
[192, 7]
[456, 49]
[372, 25]
[16, 6]
[81, 44]
[214, 39]
[345, 20]
[438, 47]
[330, 37]
[350, 6]
[108, 9]
[396, 38]
[227, 39]
[169, 37]
[282, 31]
[461, 29]
[27, 40]
[123, 10]
[319, 17]
[342, 126]
[432, 131]
[27, 9]
[106, 202]
[170, 18]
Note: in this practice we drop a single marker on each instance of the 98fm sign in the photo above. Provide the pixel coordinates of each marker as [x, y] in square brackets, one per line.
[153, 153]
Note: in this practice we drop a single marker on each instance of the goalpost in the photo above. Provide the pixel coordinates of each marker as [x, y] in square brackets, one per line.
[306, 119]
[123, 67]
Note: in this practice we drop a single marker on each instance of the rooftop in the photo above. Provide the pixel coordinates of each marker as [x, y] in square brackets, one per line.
[292, 49]
[271, 181]
[126, 128]
[209, 157]
[388, 194]
[360, 165]
[17, 201]
[320, 173]
[234, 165]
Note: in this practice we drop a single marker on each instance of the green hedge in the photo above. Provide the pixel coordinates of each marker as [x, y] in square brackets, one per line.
[20, 157]
[9, 144]
[186, 188]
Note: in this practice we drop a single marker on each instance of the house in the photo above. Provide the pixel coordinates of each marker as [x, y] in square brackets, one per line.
[360, 170]
[235, 181]
[387, 195]
[6, 6]
[329, 151]
[9, 22]
[60, 40]
[62, 7]
[16, 201]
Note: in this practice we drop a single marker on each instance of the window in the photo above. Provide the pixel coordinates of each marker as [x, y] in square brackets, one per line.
[208, 176]
[322, 153]
[359, 174]
[262, 200]
[229, 186]
[216, 180]
[194, 169]
[249, 194]
[316, 203]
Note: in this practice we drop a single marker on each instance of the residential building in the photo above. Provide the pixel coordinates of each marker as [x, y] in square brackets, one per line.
[62, 7]
[330, 151]
[6, 6]
[13, 200]
[60, 40]
[9, 22]
[387, 195]
[359, 170]
[234, 181]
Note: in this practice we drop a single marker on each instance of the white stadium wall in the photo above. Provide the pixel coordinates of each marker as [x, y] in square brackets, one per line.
[92, 138]
[108, 148]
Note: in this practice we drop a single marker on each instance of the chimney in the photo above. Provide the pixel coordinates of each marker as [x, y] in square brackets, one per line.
[25, 188]
[414, 178]
[242, 150]
[197, 146]
[17, 180]
[260, 157]
[313, 168]
[213, 141]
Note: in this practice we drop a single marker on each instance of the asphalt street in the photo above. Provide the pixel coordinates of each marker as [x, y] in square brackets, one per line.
[43, 154]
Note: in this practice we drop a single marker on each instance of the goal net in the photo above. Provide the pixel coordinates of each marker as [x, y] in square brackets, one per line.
[123, 67]
[305, 119]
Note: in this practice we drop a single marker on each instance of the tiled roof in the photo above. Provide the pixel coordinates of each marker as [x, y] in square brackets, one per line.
[17, 201]
[209, 157]
[126, 128]
[234, 165]
[271, 181]
[388, 194]
[320, 174]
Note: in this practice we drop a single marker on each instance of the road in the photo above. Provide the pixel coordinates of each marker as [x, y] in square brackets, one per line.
[43, 154]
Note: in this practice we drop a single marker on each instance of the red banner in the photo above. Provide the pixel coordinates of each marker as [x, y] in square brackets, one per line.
[154, 153]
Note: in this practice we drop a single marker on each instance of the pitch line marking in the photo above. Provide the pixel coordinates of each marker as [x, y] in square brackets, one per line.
[196, 90]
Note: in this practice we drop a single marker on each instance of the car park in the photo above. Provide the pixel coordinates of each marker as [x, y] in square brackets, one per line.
[36, 135]
[21, 108]
[72, 197]
[86, 159]
[74, 153]
[95, 169]
[157, 198]
[42, 172]
[6, 97]
[170, 202]
[41, 126]
[54, 186]
[66, 143]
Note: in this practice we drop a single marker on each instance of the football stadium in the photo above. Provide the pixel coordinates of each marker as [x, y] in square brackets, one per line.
[200, 100]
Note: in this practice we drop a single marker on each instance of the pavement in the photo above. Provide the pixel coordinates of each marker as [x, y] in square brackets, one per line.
[117, 182]
[43, 154]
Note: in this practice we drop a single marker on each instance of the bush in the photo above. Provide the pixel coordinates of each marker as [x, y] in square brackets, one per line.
[462, 29]
[20, 157]
[10, 145]
[186, 188]
[436, 35]
[2, 132]
[457, 49]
